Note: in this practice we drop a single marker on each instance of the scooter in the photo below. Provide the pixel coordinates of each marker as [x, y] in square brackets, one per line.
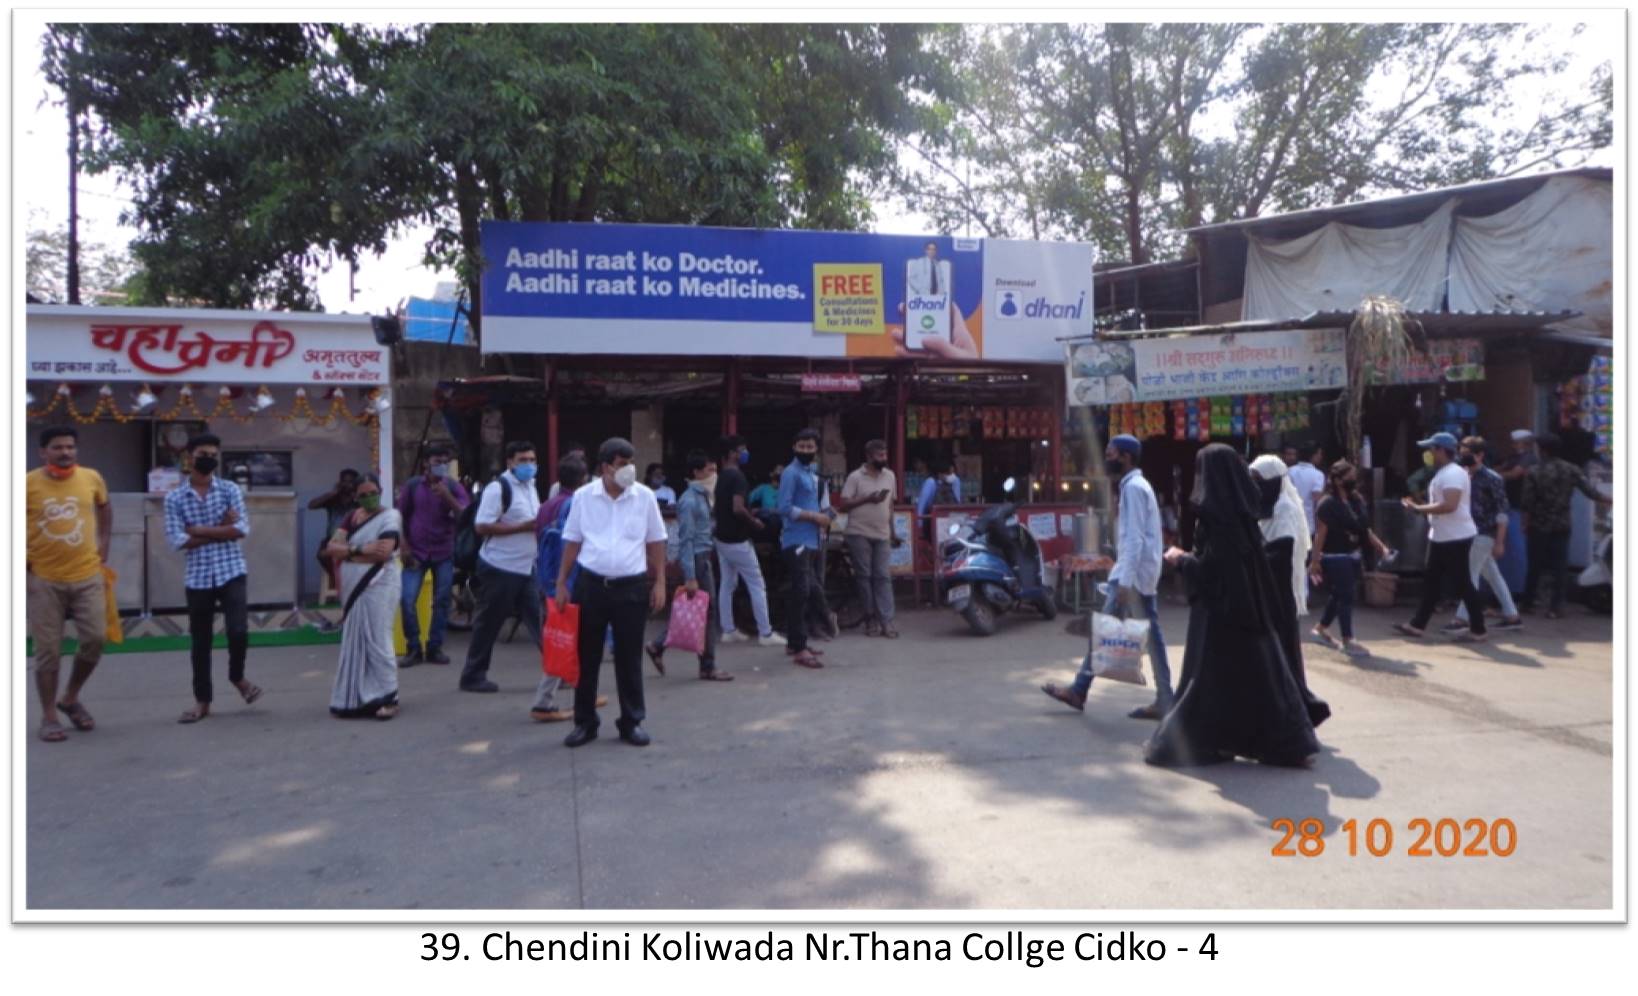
[1597, 579]
[978, 581]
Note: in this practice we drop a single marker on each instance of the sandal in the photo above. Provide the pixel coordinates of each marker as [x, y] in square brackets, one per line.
[387, 712]
[656, 653]
[1409, 630]
[78, 715]
[806, 659]
[712, 674]
[1323, 638]
[53, 733]
[251, 694]
[193, 715]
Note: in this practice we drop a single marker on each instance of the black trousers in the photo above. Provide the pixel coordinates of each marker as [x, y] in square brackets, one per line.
[623, 606]
[1549, 553]
[805, 595]
[202, 605]
[501, 595]
[1447, 565]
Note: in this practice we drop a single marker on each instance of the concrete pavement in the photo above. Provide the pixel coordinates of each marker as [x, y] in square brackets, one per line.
[926, 772]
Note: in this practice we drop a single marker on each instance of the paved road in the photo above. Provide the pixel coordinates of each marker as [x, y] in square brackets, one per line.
[923, 773]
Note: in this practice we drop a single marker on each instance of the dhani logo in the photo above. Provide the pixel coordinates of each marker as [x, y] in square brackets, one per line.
[928, 322]
[1040, 307]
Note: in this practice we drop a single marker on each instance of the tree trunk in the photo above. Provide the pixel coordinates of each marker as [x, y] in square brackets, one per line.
[469, 203]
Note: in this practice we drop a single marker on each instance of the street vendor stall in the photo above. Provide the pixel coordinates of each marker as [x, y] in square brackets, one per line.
[295, 398]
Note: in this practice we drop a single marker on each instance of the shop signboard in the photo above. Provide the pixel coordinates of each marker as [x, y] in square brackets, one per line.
[1165, 369]
[679, 290]
[829, 383]
[157, 344]
[1446, 360]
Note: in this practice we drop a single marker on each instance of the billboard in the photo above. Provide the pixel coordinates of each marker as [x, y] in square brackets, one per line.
[667, 289]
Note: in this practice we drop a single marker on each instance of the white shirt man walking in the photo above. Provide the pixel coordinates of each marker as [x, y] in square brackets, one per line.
[617, 537]
[1134, 576]
[1450, 532]
[506, 567]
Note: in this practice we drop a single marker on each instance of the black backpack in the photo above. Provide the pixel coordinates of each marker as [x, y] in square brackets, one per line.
[467, 540]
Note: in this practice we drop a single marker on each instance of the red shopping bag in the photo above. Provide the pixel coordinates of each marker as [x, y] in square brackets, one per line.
[689, 614]
[560, 644]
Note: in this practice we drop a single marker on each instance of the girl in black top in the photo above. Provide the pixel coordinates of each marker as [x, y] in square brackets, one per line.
[1342, 527]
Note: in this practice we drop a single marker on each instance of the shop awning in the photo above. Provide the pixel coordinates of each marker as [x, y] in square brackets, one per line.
[1435, 324]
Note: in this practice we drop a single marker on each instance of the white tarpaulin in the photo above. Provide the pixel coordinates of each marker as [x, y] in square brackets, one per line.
[1548, 252]
[1335, 267]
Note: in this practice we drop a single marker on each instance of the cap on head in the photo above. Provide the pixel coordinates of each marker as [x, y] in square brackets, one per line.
[1128, 444]
[1523, 435]
[1439, 440]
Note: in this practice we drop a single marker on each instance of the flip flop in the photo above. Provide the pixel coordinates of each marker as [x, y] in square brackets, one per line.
[714, 675]
[386, 712]
[192, 716]
[53, 733]
[79, 716]
[806, 660]
[251, 694]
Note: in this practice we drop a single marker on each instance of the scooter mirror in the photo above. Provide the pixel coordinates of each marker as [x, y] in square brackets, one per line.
[1008, 485]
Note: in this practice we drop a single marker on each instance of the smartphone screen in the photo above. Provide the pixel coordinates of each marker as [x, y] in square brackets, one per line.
[927, 296]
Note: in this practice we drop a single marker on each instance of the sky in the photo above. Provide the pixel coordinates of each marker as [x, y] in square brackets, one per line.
[41, 178]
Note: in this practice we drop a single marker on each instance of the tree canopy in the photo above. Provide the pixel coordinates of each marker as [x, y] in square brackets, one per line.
[260, 151]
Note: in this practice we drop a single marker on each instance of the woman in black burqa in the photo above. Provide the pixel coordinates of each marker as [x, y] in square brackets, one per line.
[1236, 696]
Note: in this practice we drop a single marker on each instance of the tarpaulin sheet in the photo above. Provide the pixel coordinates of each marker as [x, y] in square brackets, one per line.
[1549, 252]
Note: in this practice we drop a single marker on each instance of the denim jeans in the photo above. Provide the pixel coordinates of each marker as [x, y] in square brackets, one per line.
[1341, 571]
[1157, 646]
[738, 561]
[443, 583]
[202, 604]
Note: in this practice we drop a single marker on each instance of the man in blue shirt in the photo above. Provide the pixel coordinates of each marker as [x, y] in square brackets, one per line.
[799, 542]
[942, 488]
[206, 520]
[1134, 576]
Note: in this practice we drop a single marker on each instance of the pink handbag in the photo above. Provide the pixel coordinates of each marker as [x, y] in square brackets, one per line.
[689, 615]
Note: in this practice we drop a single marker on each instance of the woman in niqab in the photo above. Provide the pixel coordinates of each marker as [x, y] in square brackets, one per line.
[1285, 545]
[1236, 696]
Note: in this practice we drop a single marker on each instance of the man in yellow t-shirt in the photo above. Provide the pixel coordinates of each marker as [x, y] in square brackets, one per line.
[69, 526]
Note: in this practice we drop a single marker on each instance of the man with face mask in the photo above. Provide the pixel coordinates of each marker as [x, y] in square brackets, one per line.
[1134, 575]
[505, 577]
[207, 521]
[799, 543]
[867, 498]
[430, 505]
[615, 535]
[1490, 517]
[1450, 540]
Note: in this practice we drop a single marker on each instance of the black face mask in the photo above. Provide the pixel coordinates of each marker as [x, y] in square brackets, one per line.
[805, 458]
[1116, 468]
[1350, 485]
[205, 464]
[1468, 460]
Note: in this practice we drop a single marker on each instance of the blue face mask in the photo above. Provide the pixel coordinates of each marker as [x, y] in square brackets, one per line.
[524, 472]
[744, 458]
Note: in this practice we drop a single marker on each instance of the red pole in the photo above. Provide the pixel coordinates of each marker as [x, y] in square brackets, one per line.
[551, 419]
[730, 414]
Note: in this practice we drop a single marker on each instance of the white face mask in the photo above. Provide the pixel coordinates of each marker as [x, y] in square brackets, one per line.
[626, 476]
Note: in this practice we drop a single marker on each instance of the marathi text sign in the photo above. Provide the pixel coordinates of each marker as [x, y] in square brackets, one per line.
[667, 289]
[1122, 372]
[156, 345]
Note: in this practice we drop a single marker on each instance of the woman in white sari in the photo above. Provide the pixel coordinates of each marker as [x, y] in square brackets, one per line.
[366, 545]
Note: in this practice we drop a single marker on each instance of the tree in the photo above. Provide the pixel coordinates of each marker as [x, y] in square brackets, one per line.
[261, 150]
[107, 276]
[1134, 132]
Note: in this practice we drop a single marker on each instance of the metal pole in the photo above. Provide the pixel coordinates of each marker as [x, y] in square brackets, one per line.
[73, 198]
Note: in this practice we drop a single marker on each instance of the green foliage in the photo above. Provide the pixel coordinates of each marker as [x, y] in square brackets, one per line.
[262, 151]
[1124, 134]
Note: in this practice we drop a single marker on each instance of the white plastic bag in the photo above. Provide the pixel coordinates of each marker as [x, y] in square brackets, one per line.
[1117, 648]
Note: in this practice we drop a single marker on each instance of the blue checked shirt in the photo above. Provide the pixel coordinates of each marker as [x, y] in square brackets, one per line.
[214, 564]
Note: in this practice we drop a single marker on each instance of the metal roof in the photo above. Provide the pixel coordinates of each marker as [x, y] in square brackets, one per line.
[1402, 202]
[1434, 323]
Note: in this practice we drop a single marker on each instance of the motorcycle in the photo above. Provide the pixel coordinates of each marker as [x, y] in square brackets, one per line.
[1597, 579]
[977, 578]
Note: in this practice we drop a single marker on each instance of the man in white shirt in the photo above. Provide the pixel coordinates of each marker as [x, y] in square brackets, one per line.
[1450, 533]
[1134, 576]
[616, 536]
[1305, 475]
[928, 275]
[506, 567]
